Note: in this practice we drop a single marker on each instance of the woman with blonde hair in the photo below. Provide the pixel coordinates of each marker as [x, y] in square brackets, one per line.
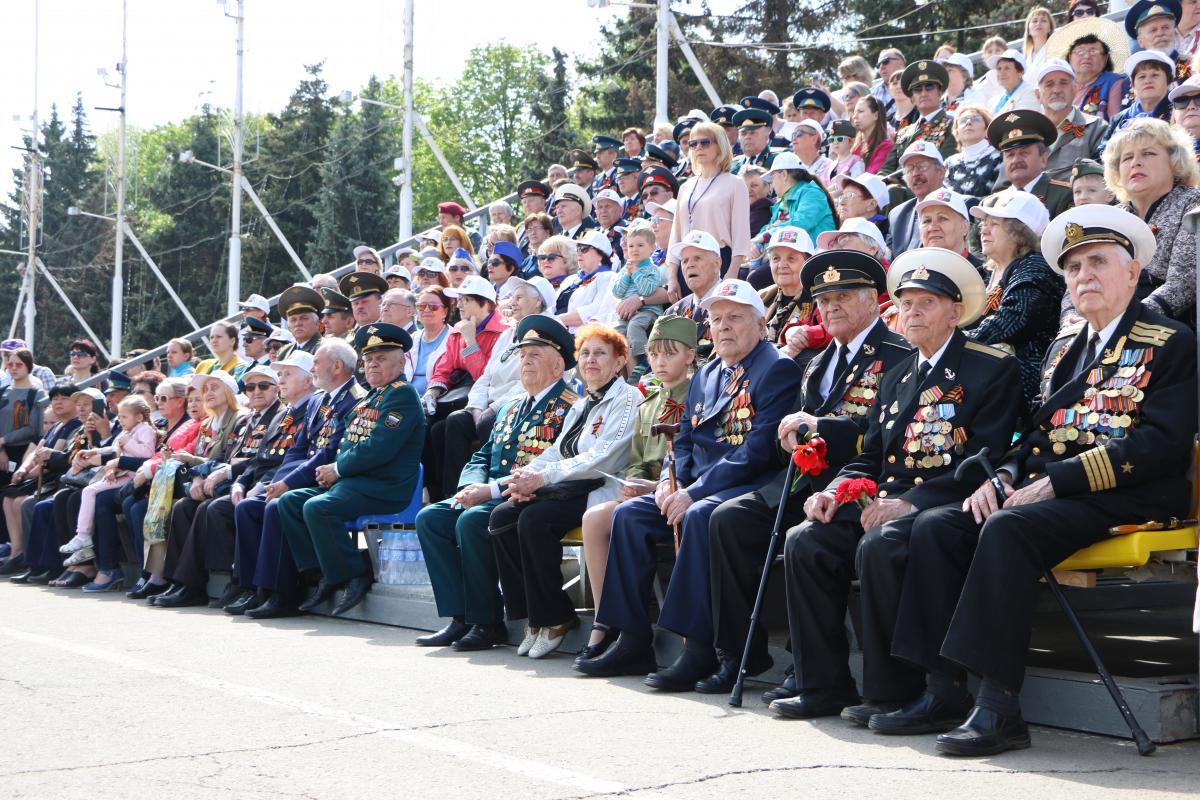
[714, 200]
[1038, 27]
[558, 260]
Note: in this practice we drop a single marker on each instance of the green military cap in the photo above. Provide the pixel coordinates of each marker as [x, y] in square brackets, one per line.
[582, 159]
[543, 330]
[381, 336]
[299, 300]
[675, 328]
[1021, 127]
[334, 302]
[361, 284]
[920, 72]
[1086, 166]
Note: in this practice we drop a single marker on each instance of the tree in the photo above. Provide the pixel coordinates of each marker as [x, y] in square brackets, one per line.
[551, 115]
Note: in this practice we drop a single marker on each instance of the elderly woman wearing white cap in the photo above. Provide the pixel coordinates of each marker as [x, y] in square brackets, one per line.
[858, 234]
[960, 71]
[1151, 75]
[942, 221]
[807, 140]
[791, 317]
[431, 273]
[973, 170]
[864, 195]
[1185, 102]
[588, 293]
[1023, 293]
[1015, 91]
[802, 201]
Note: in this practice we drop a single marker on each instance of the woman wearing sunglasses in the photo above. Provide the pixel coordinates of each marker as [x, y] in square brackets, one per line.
[846, 163]
[558, 260]
[460, 266]
[504, 268]
[83, 361]
[1185, 104]
[588, 293]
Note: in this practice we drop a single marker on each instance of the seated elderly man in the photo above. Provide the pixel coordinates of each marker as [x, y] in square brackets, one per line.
[699, 256]
[454, 532]
[1109, 445]
[924, 172]
[947, 400]
[837, 398]
[724, 449]
[1024, 139]
[375, 469]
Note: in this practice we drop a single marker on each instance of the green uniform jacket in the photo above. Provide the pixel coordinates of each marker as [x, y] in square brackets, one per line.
[518, 438]
[649, 450]
[763, 159]
[380, 451]
[939, 130]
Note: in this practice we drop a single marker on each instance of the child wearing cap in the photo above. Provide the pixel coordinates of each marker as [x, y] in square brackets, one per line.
[640, 278]
[672, 350]
[1088, 186]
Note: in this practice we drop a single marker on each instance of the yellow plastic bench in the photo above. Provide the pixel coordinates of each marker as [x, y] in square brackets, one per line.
[574, 538]
[1129, 549]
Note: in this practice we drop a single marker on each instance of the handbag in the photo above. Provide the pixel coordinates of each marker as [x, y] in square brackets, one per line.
[79, 480]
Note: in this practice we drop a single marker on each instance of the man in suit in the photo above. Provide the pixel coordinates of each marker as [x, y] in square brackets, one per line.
[924, 171]
[1109, 445]
[925, 82]
[1078, 133]
[725, 448]
[837, 398]
[454, 532]
[945, 401]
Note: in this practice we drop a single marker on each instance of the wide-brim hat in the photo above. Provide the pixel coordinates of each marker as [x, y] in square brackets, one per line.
[381, 336]
[943, 272]
[300, 299]
[544, 331]
[833, 270]
[1060, 42]
[1092, 223]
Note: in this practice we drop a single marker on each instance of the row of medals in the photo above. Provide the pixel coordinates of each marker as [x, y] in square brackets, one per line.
[1092, 420]
[929, 432]
[858, 400]
[737, 419]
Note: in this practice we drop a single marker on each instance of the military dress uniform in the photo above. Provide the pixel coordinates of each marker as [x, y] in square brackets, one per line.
[740, 528]
[1113, 436]
[749, 119]
[300, 299]
[937, 128]
[377, 464]
[1019, 128]
[605, 179]
[927, 417]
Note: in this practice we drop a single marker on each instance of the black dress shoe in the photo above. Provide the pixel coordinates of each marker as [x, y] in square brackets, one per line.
[356, 590]
[172, 588]
[447, 636]
[482, 637]
[815, 703]
[14, 565]
[23, 577]
[232, 592]
[246, 601]
[789, 687]
[147, 590]
[927, 714]
[76, 580]
[185, 597]
[861, 714]
[985, 733]
[594, 650]
[697, 661]
[722, 681]
[323, 592]
[629, 655]
[274, 608]
[41, 578]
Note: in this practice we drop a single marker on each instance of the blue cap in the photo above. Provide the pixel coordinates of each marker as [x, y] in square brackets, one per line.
[685, 124]
[1145, 10]
[628, 166]
[546, 331]
[811, 97]
[464, 255]
[757, 102]
[118, 382]
[752, 118]
[509, 251]
[381, 336]
[657, 153]
[723, 115]
[606, 143]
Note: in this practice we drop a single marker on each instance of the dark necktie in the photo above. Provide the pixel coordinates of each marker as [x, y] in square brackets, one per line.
[923, 373]
[843, 360]
[1089, 353]
[526, 407]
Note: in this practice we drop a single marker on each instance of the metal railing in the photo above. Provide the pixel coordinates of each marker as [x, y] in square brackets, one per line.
[388, 254]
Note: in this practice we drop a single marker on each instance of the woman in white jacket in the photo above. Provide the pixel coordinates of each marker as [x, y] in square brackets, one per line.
[547, 498]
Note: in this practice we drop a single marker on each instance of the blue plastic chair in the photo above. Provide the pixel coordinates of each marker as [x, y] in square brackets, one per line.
[406, 517]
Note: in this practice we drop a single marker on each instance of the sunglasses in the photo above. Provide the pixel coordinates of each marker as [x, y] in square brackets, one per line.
[585, 248]
[366, 261]
[158, 398]
[926, 87]
[429, 306]
[259, 387]
[887, 60]
[457, 268]
[249, 337]
[80, 354]
[1084, 11]
[495, 262]
[542, 259]
[694, 143]
[1181, 103]
[275, 345]
[838, 139]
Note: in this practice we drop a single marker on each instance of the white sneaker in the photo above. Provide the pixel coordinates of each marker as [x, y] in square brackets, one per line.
[545, 645]
[527, 643]
[78, 542]
[80, 557]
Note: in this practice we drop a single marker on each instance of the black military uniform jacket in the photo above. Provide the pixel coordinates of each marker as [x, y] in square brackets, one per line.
[919, 432]
[1127, 419]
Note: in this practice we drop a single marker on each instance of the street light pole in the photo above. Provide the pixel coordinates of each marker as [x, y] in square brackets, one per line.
[660, 63]
[118, 281]
[406, 191]
[234, 294]
[33, 185]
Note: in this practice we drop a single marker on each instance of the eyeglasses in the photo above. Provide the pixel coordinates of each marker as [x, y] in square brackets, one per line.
[249, 337]
[1084, 11]
[366, 261]
[921, 166]
[275, 345]
[887, 60]
[159, 398]
[805, 131]
[542, 259]
[1180, 103]
[429, 306]
[661, 219]
[458, 268]
[694, 143]
[1088, 52]
[970, 119]
[80, 354]
[653, 191]
[259, 387]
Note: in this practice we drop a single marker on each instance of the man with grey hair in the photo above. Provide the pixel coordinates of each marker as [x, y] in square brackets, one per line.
[924, 172]
[1078, 133]
[724, 449]
[399, 307]
[837, 397]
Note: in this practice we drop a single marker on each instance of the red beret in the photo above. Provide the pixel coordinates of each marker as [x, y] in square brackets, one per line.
[452, 208]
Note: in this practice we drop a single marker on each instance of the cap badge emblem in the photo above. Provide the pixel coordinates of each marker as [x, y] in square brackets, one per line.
[920, 274]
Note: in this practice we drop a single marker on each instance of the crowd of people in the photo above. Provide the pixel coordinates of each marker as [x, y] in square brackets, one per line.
[859, 288]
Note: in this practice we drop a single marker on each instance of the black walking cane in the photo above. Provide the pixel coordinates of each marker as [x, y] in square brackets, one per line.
[1144, 745]
[735, 696]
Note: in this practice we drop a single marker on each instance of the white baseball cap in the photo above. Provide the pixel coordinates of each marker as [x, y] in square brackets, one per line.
[1021, 206]
[960, 60]
[859, 227]
[596, 239]
[666, 208]
[1143, 56]
[398, 271]
[1186, 89]
[476, 286]
[432, 264]
[298, 359]
[735, 291]
[256, 301]
[1009, 54]
[544, 289]
[362, 248]
[281, 335]
[793, 238]
[219, 375]
[922, 149]
[874, 186]
[700, 239]
[945, 197]
[608, 194]
[264, 370]
[1054, 65]
[813, 125]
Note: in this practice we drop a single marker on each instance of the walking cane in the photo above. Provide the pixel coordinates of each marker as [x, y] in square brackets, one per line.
[668, 431]
[735, 696]
[1144, 745]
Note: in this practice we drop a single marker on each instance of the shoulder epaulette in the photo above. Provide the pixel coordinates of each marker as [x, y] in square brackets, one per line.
[569, 396]
[357, 392]
[396, 384]
[985, 349]
[1149, 333]
[1070, 330]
